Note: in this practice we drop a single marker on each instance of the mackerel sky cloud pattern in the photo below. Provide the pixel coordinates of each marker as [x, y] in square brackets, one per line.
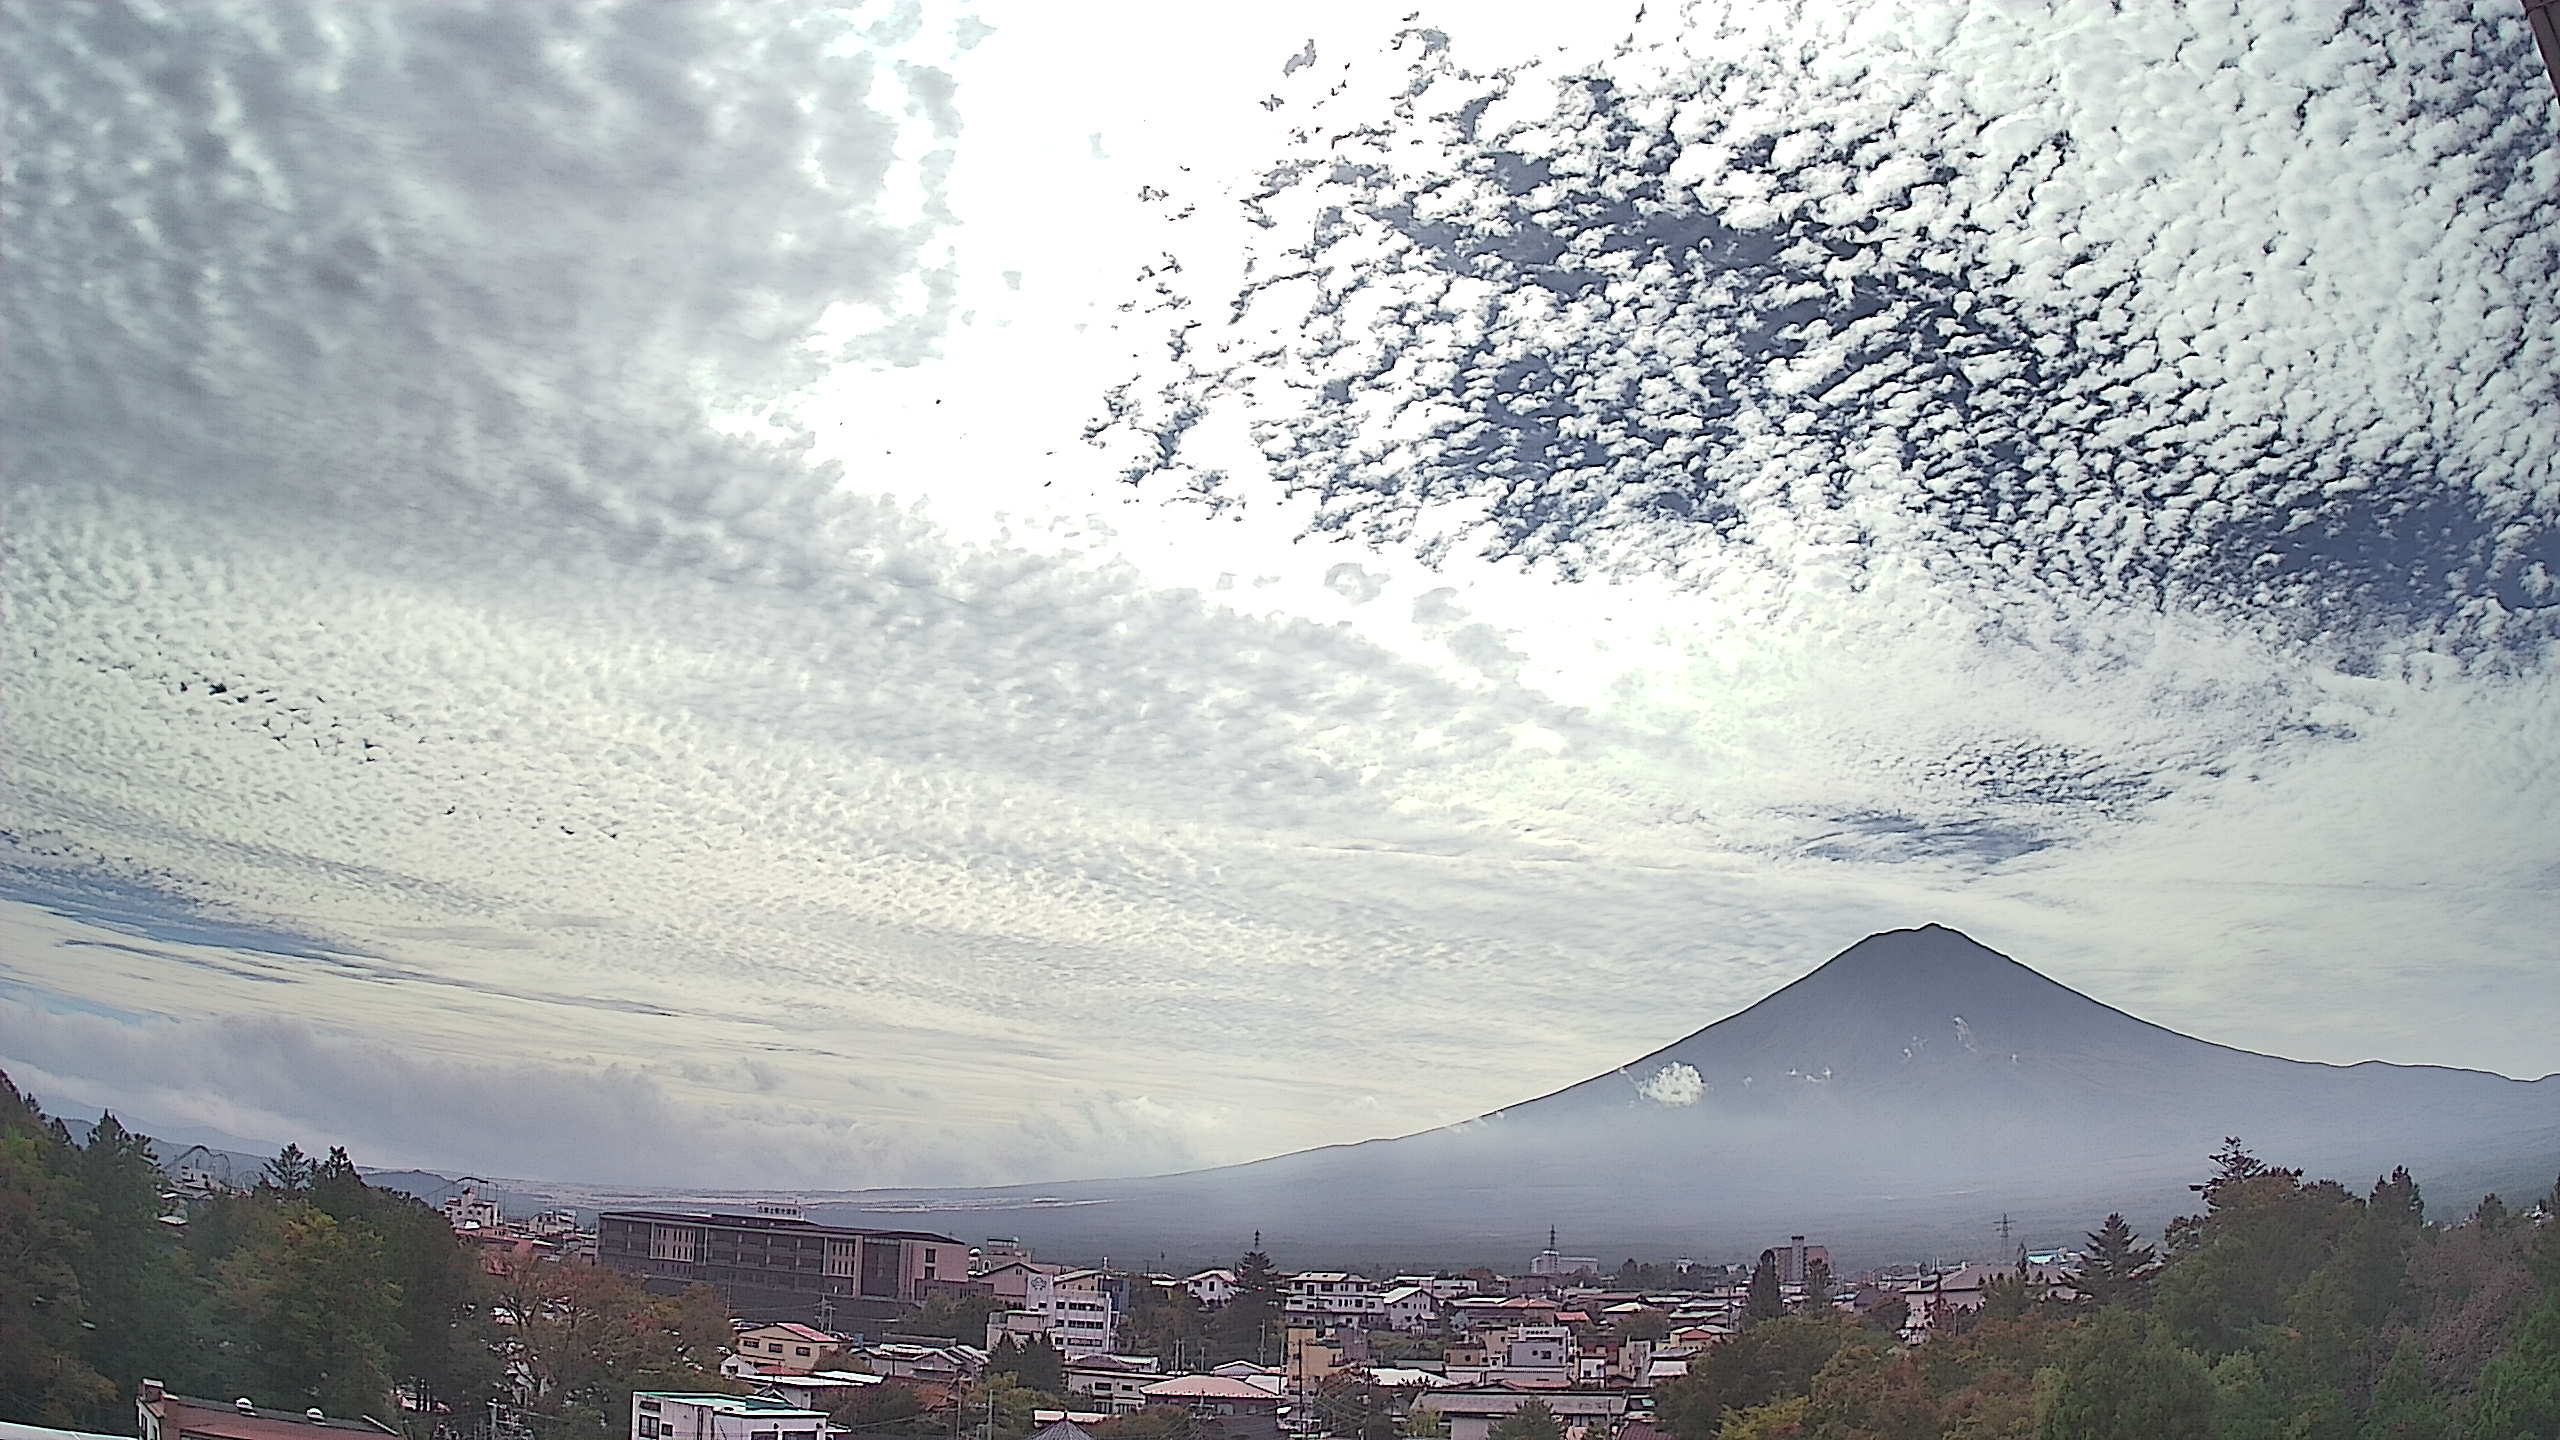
[935, 595]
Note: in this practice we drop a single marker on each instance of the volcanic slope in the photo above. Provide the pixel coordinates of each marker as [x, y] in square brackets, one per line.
[1899, 1099]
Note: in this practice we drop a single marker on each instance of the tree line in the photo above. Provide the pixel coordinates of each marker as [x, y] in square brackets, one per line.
[310, 1289]
[2282, 1310]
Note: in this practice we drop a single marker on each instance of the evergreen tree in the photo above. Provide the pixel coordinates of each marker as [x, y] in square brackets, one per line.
[126, 1257]
[1763, 1299]
[2396, 1195]
[1250, 1326]
[43, 1378]
[1036, 1365]
[1533, 1420]
[2492, 1212]
[290, 1172]
[1818, 1287]
[2520, 1391]
[2116, 1271]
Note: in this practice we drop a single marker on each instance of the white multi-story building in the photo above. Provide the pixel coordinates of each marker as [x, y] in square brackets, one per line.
[1329, 1297]
[674, 1415]
[1072, 1309]
[469, 1210]
[1212, 1288]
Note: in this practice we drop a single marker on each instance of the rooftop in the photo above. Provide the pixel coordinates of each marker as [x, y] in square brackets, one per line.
[734, 1404]
[225, 1420]
[728, 1221]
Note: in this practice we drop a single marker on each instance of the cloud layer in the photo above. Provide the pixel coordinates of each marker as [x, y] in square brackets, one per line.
[553, 569]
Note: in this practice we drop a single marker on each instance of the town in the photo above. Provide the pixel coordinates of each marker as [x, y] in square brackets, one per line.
[178, 1302]
[832, 1322]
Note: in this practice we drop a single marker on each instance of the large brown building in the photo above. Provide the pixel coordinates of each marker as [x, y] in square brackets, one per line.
[773, 1267]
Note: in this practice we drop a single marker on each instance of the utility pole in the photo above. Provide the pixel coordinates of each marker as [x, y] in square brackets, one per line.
[2544, 17]
[2004, 1228]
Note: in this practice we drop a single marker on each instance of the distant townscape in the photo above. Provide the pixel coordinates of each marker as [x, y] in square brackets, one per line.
[176, 1302]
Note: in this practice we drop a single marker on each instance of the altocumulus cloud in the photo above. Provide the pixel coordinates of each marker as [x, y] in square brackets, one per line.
[412, 554]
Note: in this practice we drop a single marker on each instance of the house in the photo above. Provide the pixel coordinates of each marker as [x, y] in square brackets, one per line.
[1442, 1287]
[1539, 1347]
[1214, 1396]
[1212, 1288]
[1472, 1413]
[1409, 1308]
[1062, 1429]
[1117, 1383]
[163, 1416]
[786, 1348]
[1012, 1281]
[1962, 1288]
[676, 1415]
[778, 1264]
[818, 1391]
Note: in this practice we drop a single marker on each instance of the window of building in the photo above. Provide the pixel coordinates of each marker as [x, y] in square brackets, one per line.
[648, 1427]
[839, 1259]
[671, 1242]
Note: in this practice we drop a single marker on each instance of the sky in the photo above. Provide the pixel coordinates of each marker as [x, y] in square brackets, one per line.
[910, 595]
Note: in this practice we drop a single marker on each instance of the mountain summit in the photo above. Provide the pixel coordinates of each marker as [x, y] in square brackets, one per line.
[1898, 1099]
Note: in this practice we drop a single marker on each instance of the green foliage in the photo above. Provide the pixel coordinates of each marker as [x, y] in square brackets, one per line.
[1032, 1364]
[1349, 1406]
[315, 1289]
[2519, 1393]
[1818, 1288]
[1767, 1362]
[43, 1378]
[1248, 1327]
[1763, 1298]
[1167, 1322]
[953, 1317]
[1644, 1325]
[2126, 1381]
[1532, 1421]
[2116, 1270]
[1777, 1420]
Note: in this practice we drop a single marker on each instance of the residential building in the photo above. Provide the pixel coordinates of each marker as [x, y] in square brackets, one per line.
[1472, 1413]
[1539, 1347]
[676, 1415]
[786, 1348]
[817, 1391]
[1116, 1383]
[1330, 1297]
[780, 1267]
[160, 1415]
[998, 1250]
[1215, 1396]
[1442, 1287]
[468, 1209]
[1212, 1288]
[1408, 1308]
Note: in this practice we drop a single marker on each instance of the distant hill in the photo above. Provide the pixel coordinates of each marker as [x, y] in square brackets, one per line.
[1898, 1100]
[1894, 1103]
